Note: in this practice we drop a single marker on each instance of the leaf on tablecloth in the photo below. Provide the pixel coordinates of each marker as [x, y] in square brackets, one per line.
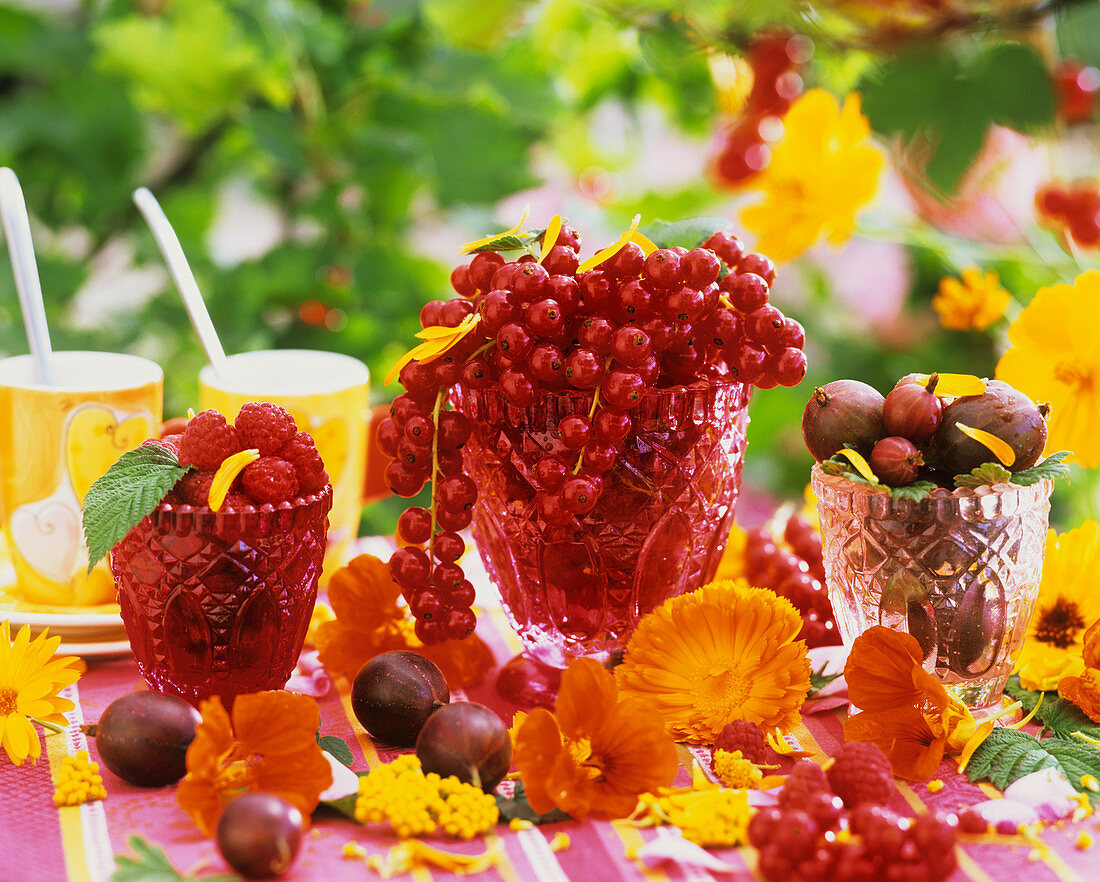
[1028, 698]
[345, 805]
[518, 808]
[819, 680]
[337, 746]
[151, 864]
[1008, 754]
[1063, 717]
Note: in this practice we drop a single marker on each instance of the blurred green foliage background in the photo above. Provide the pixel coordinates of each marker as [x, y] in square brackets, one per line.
[362, 141]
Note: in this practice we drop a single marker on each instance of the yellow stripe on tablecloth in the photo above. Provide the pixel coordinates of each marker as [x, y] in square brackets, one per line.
[807, 742]
[966, 862]
[504, 628]
[370, 753]
[632, 840]
[504, 866]
[69, 817]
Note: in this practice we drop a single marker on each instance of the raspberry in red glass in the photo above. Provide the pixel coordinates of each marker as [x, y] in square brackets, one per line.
[301, 453]
[805, 779]
[194, 487]
[745, 736]
[861, 773]
[270, 479]
[208, 440]
[264, 426]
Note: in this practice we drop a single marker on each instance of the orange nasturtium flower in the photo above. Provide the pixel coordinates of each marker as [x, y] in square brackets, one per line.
[905, 710]
[267, 745]
[1084, 691]
[597, 753]
[369, 621]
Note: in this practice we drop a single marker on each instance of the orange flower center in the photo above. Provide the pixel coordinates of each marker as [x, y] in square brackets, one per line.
[1073, 372]
[9, 701]
[1060, 624]
[581, 751]
[721, 692]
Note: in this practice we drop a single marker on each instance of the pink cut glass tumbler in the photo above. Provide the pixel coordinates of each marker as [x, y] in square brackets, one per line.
[218, 603]
[658, 529]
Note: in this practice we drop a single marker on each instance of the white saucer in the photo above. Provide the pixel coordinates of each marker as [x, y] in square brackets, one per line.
[79, 627]
[86, 650]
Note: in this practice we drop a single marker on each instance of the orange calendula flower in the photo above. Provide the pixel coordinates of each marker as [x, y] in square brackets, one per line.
[823, 171]
[597, 753]
[1084, 690]
[971, 303]
[722, 653]
[1055, 358]
[369, 621]
[1068, 604]
[30, 680]
[268, 745]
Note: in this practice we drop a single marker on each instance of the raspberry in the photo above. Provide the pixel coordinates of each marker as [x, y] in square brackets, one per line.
[172, 442]
[235, 501]
[745, 736]
[264, 426]
[208, 440]
[194, 488]
[270, 479]
[861, 773]
[805, 779]
[301, 453]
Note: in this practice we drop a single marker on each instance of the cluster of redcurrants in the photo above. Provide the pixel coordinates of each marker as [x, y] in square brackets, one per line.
[426, 443]
[775, 62]
[798, 840]
[794, 569]
[1074, 208]
[1077, 86]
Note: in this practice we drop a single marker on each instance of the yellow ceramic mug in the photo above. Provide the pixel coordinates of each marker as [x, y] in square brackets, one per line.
[54, 442]
[327, 394]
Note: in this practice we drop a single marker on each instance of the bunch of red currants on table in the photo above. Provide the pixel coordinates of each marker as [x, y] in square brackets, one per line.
[637, 319]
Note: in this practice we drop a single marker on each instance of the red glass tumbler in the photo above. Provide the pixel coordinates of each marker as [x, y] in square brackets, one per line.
[658, 529]
[218, 603]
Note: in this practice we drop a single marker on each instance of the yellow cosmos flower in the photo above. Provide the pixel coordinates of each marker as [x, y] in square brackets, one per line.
[822, 172]
[1068, 605]
[1055, 358]
[972, 304]
[722, 653]
[30, 678]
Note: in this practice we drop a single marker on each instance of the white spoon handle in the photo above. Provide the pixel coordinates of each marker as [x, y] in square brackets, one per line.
[178, 266]
[17, 229]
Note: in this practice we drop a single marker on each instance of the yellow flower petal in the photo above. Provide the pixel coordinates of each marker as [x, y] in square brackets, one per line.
[639, 238]
[438, 341]
[550, 236]
[611, 250]
[227, 473]
[998, 447]
[954, 385]
[485, 240]
[861, 464]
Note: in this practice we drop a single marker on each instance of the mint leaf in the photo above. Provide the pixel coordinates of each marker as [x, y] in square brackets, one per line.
[338, 747]
[504, 243]
[1008, 754]
[519, 807]
[127, 493]
[1052, 467]
[842, 468]
[916, 491]
[819, 680]
[1063, 717]
[1028, 698]
[986, 473]
[151, 864]
[689, 233]
[984, 760]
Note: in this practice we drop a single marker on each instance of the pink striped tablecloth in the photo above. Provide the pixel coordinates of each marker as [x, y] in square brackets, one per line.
[42, 843]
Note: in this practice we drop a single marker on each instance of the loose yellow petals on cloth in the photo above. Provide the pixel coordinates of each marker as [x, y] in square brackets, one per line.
[597, 753]
[971, 303]
[1084, 690]
[1055, 358]
[78, 781]
[709, 818]
[1068, 605]
[369, 621]
[438, 340]
[724, 652]
[226, 474]
[267, 745]
[736, 772]
[905, 709]
[30, 680]
[485, 240]
[412, 854]
[415, 804]
[823, 171]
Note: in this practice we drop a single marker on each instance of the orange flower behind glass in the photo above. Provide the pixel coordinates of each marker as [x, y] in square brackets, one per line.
[884, 672]
[369, 621]
[597, 753]
[1084, 691]
[267, 745]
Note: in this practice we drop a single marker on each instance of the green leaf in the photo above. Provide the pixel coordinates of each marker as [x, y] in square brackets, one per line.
[127, 493]
[1063, 717]
[916, 491]
[1015, 83]
[345, 805]
[151, 864]
[819, 680]
[338, 747]
[1052, 467]
[842, 468]
[689, 233]
[1028, 698]
[1008, 754]
[504, 243]
[519, 808]
[986, 473]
